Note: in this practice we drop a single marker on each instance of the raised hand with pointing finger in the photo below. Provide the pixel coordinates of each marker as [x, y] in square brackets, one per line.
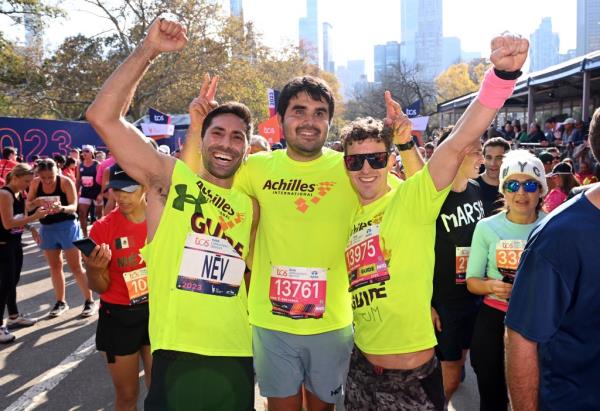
[198, 110]
[205, 102]
[397, 120]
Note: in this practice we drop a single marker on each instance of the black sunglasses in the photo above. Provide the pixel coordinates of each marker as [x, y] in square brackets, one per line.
[355, 162]
[530, 186]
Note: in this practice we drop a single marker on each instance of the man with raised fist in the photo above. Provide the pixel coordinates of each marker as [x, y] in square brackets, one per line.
[199, 233]
[390, 253]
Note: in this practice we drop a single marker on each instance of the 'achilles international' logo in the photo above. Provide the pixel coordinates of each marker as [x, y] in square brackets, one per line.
[308, 194]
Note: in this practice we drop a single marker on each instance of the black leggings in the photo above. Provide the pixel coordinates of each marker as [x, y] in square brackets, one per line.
[487, 359]
[11, 257]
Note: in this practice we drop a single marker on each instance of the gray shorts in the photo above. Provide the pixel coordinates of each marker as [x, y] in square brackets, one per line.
[283, 362]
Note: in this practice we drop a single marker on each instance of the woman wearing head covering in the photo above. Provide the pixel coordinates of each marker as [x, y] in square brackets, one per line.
[498, 242]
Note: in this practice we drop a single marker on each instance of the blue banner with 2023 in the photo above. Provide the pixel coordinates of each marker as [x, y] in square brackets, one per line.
[32, 136]
[46, 137]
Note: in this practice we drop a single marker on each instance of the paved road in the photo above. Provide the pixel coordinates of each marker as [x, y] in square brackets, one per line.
[54, 365]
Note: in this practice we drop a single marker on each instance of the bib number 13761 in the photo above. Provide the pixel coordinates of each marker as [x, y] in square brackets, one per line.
[298, 292]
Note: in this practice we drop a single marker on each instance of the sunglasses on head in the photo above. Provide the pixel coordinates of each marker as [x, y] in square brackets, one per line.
[530, 186]
[355, 162]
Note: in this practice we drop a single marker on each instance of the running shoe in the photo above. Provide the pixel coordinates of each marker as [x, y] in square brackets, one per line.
[19, 321]
[59, 308]
[5, 335]
[89, 308]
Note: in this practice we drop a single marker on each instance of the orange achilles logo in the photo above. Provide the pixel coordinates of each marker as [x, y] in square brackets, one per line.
[322, 189]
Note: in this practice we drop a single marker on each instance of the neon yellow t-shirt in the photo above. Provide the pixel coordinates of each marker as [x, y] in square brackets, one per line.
[197, 295]
[299, 283]
[390, 258]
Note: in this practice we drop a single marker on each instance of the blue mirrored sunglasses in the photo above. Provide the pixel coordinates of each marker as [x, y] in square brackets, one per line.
[530, 186]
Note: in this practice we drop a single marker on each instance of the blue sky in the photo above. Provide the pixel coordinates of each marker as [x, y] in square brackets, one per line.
[359, 24]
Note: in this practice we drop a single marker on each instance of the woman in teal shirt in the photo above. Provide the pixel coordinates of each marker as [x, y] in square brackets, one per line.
[496, 248]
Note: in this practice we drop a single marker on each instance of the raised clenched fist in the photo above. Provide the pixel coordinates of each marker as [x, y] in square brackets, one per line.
[509, 52]
[165, 35]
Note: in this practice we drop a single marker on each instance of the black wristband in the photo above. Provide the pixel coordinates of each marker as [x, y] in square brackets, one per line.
[405, 146]
[508, 75]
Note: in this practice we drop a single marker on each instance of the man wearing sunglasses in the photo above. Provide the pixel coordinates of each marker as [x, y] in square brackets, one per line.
[390, 253]
[553, 320]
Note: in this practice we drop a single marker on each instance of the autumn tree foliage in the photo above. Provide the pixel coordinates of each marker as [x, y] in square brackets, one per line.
[460, 79]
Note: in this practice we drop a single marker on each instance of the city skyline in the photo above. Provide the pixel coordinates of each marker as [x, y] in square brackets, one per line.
[361, 28]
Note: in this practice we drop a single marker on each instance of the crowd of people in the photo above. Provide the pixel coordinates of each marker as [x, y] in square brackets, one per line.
[360, 279]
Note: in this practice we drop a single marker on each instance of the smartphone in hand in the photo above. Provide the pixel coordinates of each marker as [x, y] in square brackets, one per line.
[85, 245]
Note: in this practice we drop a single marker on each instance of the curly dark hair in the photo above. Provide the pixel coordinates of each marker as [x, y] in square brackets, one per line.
[364, 128]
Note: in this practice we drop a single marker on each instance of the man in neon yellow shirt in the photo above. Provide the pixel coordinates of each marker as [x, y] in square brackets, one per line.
[199, 233]
[390, 254]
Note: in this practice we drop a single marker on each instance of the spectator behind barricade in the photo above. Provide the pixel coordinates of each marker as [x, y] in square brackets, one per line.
[70, 169]
[8, 162]
[550, 130]
[258, 144]
[520, 134]
[562, 181]
[571, 134]
[585, 175]
[493, 154]
[429, 149]
[508, 131]
[535, 134]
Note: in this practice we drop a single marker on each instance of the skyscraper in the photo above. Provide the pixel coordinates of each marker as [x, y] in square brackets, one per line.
[544, 46]
[349, 76]
[308, 33]
[236, 8]
[451, 51]
[408, 25]
[428, 39]
[328, 64]
[588, 26]
[386, 56]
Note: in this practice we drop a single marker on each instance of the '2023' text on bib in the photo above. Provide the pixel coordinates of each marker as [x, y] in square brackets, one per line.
[210, 265]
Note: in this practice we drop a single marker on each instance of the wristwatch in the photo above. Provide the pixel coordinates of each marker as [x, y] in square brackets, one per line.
[405, 146]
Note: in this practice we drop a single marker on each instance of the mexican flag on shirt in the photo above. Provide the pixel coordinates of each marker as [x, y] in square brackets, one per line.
[121, 242]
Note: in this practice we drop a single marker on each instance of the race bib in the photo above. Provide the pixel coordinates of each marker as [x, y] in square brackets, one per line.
[462, 260]
[364, 259]
[87, 181]
[508, 255]
[298, 292]
[210, 265]
[137, 285]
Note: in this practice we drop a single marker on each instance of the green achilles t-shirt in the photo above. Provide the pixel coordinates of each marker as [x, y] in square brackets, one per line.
[390, 258]
[299, 281]
[197, 295]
